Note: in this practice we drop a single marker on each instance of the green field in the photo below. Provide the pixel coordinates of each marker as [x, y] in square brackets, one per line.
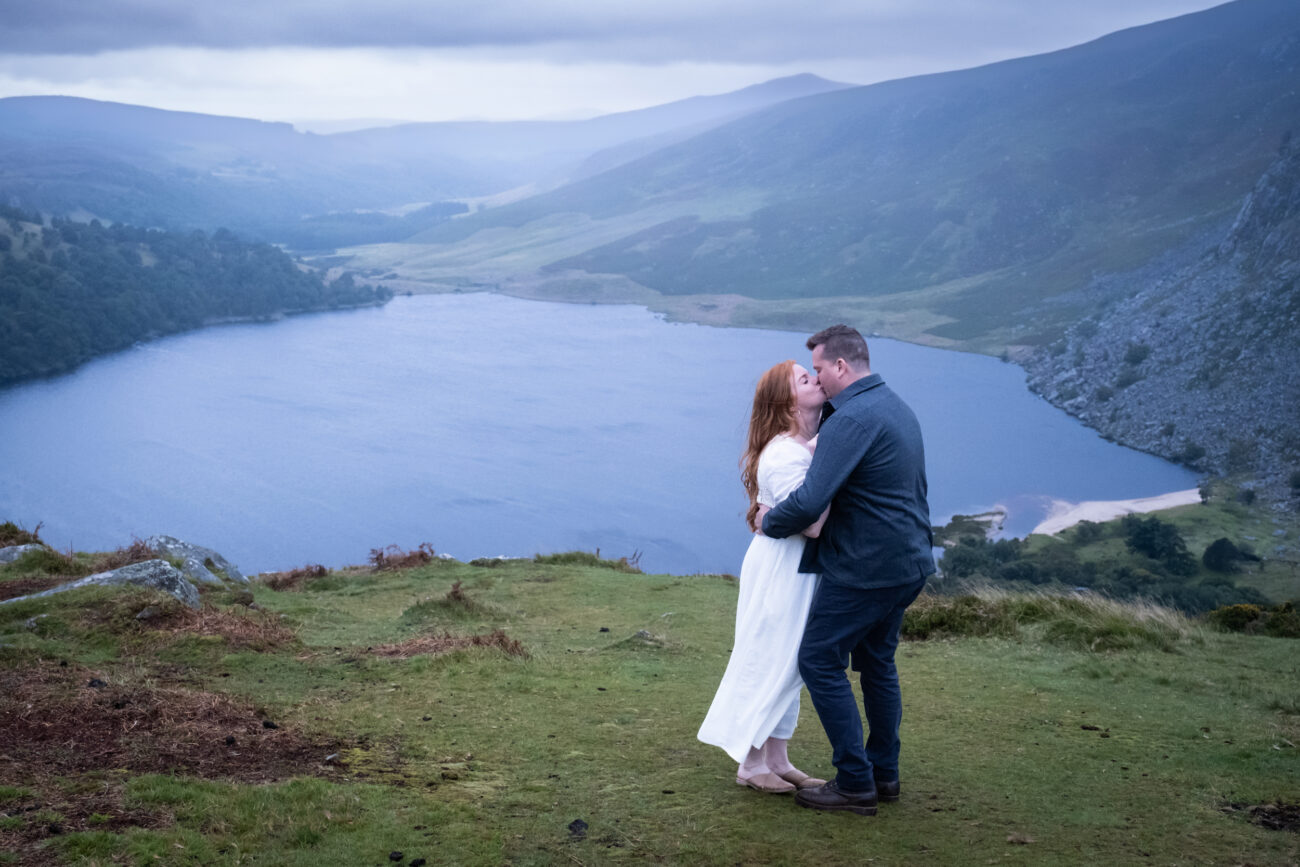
[1037, 746]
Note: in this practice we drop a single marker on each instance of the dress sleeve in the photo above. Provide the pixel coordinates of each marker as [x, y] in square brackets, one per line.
[781, 469]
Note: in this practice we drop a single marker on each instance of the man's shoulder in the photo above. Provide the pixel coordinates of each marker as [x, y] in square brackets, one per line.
[872, 399]
[861, 405]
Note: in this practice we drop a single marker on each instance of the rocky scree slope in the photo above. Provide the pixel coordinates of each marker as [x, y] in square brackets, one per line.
[1200, 366]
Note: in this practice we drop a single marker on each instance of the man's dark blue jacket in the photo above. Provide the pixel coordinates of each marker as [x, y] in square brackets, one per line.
[870, 468]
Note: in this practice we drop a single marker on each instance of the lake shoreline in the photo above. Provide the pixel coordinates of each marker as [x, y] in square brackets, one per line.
[1065, 514]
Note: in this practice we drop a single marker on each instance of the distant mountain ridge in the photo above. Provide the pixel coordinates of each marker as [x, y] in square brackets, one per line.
[988, 197]
[170, 169]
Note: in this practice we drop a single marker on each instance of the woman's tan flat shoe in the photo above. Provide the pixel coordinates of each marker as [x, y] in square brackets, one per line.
[801, 780]
[766, 782]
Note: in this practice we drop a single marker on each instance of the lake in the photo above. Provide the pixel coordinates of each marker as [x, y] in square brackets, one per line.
[489, 426]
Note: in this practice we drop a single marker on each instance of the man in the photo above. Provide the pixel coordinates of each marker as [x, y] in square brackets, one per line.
[873, 555]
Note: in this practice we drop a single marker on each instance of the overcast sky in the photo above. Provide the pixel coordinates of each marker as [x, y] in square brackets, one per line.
[499, 59]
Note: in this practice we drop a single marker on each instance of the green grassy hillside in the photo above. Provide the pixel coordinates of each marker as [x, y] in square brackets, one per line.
[350, 715]
[991, 198]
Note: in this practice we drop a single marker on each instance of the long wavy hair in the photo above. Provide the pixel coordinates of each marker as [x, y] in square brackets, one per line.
[773, 413]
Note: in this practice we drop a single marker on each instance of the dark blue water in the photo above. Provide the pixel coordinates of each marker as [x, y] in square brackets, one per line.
[488, 426]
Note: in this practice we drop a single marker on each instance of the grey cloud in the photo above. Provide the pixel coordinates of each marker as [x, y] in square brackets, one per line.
[769, 31]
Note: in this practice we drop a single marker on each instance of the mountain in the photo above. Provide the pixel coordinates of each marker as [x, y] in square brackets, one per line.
[521, 152]
[982, 204]
[179, 170]
[146, 166]
[1199, 365]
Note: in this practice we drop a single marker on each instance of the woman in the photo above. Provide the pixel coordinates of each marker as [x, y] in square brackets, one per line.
[757, 705]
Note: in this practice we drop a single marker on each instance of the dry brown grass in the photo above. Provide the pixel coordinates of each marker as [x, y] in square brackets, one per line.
[136, 552]
[294, 579]
[153, 618]
[11, 534]
[57, 726]
[392, 558]
[25, 586]
[241, 628]
[446, 643]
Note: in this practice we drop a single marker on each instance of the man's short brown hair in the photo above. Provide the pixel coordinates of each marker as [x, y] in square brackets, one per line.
[841, 341]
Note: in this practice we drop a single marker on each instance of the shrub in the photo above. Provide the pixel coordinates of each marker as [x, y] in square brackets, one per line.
[1103, 394]
[1127, 377]
[586, 558]
[1283, 622]
[1190, 454]
[1294, 481]
[136, 552]
[1152, 537]
[393, 558]
[1234, 618]
[1221, 556]
[964, 559]
[1280, 621]
[1021, 570]
[295, 578]
[1136, 353]
[11, 534]
[1087, 532]
[1241, 455]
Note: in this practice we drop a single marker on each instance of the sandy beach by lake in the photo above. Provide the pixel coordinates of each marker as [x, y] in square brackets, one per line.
[1064, 515]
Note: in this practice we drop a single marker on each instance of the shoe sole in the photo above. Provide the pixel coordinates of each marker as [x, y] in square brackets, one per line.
[747, 784]
[839, 808]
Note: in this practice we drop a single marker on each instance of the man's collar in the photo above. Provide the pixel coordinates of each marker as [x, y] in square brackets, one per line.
[855, 388]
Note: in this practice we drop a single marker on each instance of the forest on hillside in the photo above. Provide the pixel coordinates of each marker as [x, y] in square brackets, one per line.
[70, 291]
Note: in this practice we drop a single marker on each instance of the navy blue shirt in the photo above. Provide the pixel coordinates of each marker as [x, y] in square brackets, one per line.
[869, 467]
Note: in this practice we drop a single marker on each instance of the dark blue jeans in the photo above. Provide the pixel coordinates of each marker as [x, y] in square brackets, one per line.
[852, 623]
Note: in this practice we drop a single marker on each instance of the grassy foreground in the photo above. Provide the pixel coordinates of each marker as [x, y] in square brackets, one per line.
[350, 718]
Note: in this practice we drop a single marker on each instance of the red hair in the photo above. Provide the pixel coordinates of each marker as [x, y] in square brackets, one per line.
[773, 413]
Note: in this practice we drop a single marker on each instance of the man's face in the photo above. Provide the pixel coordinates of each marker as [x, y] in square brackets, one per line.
[830, 374]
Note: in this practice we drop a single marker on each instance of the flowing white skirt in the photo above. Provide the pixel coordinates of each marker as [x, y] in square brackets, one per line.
[761, 685]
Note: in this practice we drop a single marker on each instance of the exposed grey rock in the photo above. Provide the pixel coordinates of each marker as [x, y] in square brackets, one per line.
[202, 565]
[10, 554]
[1197, 364]
[151, 573]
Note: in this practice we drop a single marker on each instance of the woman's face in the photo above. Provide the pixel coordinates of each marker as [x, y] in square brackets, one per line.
[808, 393]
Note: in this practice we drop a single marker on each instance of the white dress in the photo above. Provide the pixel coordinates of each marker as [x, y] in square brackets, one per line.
[759, 694]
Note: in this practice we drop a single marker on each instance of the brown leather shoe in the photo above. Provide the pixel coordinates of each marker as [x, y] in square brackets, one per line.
[829, 797]
[800, 779]
[766, 782]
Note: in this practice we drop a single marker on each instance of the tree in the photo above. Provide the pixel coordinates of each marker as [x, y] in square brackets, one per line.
[1154, 538]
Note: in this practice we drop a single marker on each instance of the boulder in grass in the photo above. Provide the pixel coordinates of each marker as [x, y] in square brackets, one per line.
[158, 574]
[12, 553]
[201, 565]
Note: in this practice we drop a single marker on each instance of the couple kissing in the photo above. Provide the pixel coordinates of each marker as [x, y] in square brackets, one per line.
[834, 468]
